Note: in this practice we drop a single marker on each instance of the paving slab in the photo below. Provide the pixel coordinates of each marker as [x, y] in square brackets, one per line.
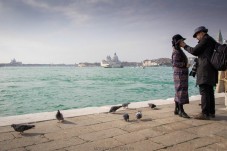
[130, 138]
[171, 127]
[18, 149]
[139, 146]
[6, 136]
[207, 130]
[68, 133]
[100, 145]
[169, 120]
[220, 146]
[21, 142]
[139, 125]
[222, 134]
[196, 123]
[57, 144]
[193, 144]
[174, 138]
[102, 134]
[110, 124]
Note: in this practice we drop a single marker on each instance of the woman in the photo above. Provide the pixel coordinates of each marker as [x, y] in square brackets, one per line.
[180, 76]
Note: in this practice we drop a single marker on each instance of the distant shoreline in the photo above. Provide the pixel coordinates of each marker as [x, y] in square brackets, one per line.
[145, 63]
[64, 65]
[36, 65]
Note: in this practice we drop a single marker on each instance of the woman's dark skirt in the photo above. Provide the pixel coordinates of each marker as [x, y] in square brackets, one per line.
[181, 85]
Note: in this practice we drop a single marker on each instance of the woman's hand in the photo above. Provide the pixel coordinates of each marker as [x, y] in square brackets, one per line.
[182, 43]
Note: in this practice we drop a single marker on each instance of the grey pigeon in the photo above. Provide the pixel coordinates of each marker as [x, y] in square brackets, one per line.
[139, 115]
[114, 108]
[151, 105]
[59, 116]
[21, 127]
[126, 117]
[125, 105]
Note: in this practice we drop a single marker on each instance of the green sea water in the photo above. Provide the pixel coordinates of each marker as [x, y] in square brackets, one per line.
[39, 89]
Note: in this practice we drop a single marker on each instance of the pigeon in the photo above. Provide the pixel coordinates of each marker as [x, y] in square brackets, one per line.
[21, 127]
[138, 115]
[114, 108]
[125, 105]
[126, 117]
[151, 105]
[59, 116]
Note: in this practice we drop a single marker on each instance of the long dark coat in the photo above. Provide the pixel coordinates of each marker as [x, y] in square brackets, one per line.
[206, 73]
[180, 76]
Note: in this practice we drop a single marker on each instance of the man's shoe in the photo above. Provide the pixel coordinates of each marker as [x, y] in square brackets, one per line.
[201, 116]
[184, 115]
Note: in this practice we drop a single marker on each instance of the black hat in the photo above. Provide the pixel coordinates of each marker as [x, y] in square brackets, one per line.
[176, 39]
[199, 29]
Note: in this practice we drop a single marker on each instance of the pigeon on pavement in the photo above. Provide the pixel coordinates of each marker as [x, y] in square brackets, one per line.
[59, 116]
[152, 106]
[125, 105]
[22, 127]
[114, 108]
[126, 117]
[138, 115]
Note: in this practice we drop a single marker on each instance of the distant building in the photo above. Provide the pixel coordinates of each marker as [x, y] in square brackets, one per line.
[149, 63]
[157, 62]
[111, 62]
[86, 64]
[220, 38]
[15, 63]
[82, 65]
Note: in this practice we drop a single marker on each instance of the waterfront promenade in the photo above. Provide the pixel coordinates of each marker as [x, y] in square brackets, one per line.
[159, 130]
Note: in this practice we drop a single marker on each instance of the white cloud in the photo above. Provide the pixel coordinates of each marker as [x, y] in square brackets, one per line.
[70, 11]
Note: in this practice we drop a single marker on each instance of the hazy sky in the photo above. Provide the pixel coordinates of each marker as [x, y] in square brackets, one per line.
[73, 31]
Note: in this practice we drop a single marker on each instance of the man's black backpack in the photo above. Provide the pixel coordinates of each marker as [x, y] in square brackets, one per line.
[219, 57]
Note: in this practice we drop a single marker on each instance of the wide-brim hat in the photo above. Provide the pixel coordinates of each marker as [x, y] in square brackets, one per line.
[200, 29]
[177, 38]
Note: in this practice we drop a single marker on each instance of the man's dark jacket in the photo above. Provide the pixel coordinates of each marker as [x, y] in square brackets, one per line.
[206, 73]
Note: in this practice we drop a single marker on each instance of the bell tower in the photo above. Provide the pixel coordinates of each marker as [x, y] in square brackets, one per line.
[219, 38]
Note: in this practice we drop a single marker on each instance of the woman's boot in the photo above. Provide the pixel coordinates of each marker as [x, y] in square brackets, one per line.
[176, 111]
[182, 112]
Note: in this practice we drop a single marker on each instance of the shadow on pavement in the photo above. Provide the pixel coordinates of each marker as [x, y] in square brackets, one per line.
[31, 134]
[219, 118]
[68, 122]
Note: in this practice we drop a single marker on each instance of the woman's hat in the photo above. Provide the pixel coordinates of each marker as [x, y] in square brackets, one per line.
[200, 29]
[176, 38]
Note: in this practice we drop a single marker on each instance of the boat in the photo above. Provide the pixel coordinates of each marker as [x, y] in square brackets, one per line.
[111, 62]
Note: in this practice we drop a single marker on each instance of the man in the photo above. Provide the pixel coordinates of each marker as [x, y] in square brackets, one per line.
[207, 75]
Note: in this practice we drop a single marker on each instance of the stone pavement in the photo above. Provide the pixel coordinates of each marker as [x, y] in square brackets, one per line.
[158, 130]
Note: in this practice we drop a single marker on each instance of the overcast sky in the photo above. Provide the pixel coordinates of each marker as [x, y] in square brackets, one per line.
[73, 31]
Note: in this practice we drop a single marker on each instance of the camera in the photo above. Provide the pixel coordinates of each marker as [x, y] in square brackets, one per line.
[194, 68]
